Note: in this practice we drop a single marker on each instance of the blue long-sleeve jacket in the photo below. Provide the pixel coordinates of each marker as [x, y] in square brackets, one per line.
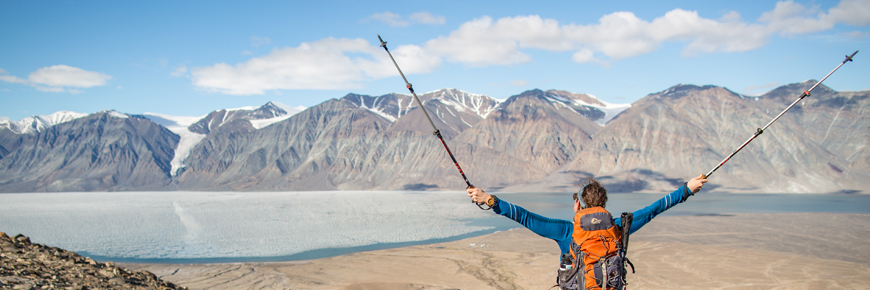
[561, 230]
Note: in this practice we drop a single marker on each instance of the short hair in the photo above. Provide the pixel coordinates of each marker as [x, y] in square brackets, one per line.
[593, 194]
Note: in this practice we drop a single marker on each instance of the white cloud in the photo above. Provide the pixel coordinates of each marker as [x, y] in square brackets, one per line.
[180, 71]
[330, 63]
[620, 35]
[391, 19]
[396, 20]
[851, 12]
[790, 18]
[482, 42]
[412, 59]
[67, 76]
[519, 83]
[326, 64]
[10, 79]
[258, 40]
[858, 35]
[758, 90]
[49, 89]
[585, 55]
[13, 79]
[427, 18]
[60, 78]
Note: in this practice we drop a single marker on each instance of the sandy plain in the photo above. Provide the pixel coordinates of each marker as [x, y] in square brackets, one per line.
[731, 251]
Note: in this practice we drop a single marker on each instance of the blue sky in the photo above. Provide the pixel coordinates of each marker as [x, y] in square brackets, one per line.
[188, 58]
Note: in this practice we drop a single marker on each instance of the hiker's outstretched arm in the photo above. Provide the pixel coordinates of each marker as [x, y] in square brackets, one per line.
[555, 229]
[645, 215]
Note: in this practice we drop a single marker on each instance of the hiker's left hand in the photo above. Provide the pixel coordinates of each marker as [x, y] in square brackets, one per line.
[696, 183]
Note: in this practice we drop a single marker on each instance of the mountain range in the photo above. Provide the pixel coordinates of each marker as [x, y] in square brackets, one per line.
[535, 141]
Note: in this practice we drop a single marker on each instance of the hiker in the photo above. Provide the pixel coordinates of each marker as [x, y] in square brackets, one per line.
[591, 200]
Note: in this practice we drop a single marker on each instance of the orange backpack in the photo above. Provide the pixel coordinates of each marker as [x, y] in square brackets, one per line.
[597, 252]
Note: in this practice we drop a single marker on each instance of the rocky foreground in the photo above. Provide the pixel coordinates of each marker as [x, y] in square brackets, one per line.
[26, 265]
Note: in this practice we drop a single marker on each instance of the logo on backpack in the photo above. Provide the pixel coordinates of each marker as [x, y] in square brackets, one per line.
[597, 259]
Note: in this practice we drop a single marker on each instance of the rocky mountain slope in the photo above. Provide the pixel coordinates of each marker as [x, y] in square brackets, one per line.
[534, 141]
[100, 152]
[686, 130]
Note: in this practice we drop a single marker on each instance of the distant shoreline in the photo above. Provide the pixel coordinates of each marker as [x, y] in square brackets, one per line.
[764, 251]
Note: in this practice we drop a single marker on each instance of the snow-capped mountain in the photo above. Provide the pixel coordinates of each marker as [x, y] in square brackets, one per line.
[587, 105]
[451, 110]
[393, 106]
[258, 117]
[273, 112]
[390, 106]
[36, 124]
[462, 101]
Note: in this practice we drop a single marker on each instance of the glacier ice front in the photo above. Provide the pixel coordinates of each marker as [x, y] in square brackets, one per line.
[198, 225]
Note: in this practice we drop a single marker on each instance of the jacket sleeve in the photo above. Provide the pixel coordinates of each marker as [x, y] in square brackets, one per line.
[645, 215]
[555, 229]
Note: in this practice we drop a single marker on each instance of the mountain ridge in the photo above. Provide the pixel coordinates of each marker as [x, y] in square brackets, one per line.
[533, 141]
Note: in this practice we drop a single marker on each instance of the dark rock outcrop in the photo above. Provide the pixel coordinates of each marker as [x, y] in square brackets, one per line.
[27, 265]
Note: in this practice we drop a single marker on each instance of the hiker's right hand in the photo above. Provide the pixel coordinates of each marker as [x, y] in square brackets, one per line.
[477, 194]
[696, 183]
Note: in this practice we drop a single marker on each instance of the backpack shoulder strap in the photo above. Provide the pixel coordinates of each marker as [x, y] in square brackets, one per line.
[626, 219]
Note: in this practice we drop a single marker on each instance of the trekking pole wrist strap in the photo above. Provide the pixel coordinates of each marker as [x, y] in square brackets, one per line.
[488, 204]
[688, 192]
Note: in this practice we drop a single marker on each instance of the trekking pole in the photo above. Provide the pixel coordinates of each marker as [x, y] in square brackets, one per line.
[758, 131]
[437, 132]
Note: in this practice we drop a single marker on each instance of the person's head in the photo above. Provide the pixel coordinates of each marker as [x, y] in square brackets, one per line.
[592, 195]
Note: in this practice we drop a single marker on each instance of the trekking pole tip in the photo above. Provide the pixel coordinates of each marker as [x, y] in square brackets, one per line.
[849, 57]
[383, 43]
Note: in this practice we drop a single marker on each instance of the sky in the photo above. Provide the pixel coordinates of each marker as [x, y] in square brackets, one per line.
[188, 58]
